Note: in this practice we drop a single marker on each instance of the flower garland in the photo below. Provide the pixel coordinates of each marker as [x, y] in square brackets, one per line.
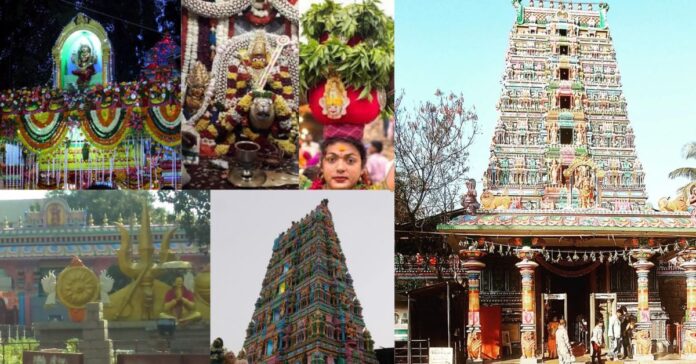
[218, 10]
[288, 9]
[163, 123]
[230, 8]
[106, 127]
[43, 119]
[190, 36]
[39, 139]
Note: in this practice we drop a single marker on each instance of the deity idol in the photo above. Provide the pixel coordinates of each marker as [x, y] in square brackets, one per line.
[85, 60]
[179, 303]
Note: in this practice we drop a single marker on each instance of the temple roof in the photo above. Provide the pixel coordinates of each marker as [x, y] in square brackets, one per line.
[561, 227]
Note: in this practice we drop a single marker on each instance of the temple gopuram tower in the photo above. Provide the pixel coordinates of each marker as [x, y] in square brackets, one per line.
[563, 138]
[308, 311]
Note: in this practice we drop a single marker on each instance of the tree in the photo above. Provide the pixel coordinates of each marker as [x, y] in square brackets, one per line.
[111, 203]
[431, 147]
[686, 172]
[193, 207]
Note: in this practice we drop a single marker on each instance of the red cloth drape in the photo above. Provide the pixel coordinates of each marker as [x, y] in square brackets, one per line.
[491, 319]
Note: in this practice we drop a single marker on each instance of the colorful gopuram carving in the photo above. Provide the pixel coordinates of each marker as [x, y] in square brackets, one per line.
[308, 311]
[562, 106]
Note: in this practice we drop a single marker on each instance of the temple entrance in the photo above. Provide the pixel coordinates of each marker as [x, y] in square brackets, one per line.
[576, 290]
[602, 305]
[556, 307]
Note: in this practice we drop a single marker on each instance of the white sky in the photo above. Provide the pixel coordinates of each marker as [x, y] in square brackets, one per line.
[244, 225]
[22, 194]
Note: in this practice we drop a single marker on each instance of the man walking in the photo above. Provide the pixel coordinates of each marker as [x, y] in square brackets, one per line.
[614, 333]
[596, 342]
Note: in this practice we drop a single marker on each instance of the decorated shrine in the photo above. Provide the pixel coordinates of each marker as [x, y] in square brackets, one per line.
[46, 245]
[308, 311]
[563, 228]
[88, 129]
[240, 73]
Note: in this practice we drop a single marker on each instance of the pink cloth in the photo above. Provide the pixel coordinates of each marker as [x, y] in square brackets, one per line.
[377, 167]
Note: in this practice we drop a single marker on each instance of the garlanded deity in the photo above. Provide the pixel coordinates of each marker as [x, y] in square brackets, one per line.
[258, 57]
[334, 103]
[196, 82]
[85, 60]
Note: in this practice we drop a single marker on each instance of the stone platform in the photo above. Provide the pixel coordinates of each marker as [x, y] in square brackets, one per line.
[139, 337]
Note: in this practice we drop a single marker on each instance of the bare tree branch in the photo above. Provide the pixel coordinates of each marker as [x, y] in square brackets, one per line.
[432, 150]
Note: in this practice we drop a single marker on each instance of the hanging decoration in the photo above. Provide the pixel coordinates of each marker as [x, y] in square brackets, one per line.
[567, 273]
[163, 123]
[46, 134]
[106, 128]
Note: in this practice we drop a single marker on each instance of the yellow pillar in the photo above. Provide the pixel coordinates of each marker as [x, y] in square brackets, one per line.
[642, 333]
[528, 327]
[473, 267]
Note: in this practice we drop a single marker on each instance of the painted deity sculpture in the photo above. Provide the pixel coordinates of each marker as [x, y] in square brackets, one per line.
[196, 82]
[85, 60]
[144, 297]
[179, 303]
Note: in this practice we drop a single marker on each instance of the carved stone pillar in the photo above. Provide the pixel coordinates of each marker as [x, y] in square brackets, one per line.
[642, 333]
[528, 327]
[473, 268]
[687, 261]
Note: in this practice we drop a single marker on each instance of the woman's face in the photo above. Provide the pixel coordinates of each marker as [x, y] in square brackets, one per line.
[341, 166]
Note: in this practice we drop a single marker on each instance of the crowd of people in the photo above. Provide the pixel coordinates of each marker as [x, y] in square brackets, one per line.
[618, 346]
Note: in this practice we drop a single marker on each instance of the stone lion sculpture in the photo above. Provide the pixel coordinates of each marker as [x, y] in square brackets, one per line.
[528, 344]
[473, 345]
[673, 204]
[690, 342]
[643, 342]
[491, 202]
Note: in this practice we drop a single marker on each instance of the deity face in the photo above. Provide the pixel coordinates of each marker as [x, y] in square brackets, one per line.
[85, 54]
[342, 166]
[178, 282]
[258, 61]
[261, 113]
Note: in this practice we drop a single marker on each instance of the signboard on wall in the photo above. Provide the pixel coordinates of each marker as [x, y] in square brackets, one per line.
[440, 356]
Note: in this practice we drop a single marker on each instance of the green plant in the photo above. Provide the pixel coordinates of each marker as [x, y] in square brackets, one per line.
[71, 345]
[367, 65]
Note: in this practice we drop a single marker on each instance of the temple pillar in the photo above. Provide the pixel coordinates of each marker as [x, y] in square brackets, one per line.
[528, 327]
[688, 263]
[643, 341]
[473, 268]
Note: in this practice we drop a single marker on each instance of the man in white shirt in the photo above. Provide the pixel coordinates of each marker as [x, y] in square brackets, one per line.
[596, 342]
[614, 333]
